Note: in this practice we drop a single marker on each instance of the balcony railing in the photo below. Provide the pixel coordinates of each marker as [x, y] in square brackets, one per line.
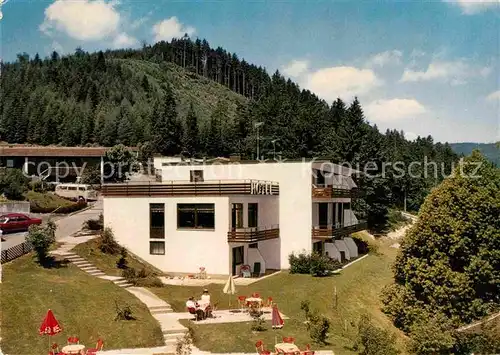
[330, 231]
[186, 188]
[332, 192]
[252, 235]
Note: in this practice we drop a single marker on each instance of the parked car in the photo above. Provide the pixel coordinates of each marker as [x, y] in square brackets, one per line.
[16, 222]
[76, 192]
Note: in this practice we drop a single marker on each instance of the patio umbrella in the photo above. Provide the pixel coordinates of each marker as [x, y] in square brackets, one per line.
[50, 326]
[229, 288]
[276, 320]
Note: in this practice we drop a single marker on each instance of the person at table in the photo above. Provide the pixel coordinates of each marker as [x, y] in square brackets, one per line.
[205, 297]
[194, 308]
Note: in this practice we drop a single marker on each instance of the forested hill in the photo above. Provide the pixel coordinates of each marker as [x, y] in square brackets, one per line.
[184, 96]
[489, 150]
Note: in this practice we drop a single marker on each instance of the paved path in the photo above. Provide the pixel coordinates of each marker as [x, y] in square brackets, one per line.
[72, 224]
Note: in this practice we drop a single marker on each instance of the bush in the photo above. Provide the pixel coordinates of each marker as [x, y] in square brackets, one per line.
[141, 278]
[94, 224]
[372, 340]
[314, 264]
[363, 246]
[122, 262]
[123, 312]
[41, 238]
[431, 335]
[149, 281]
[258, 324]
[107, 243]
[129, 274]
[318, 328]
[183, 345]
[91, 176]
[13, 184]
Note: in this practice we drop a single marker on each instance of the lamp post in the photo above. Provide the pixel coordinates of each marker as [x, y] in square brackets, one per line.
[257, 125]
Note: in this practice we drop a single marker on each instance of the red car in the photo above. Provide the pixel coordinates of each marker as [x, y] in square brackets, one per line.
[16, 222]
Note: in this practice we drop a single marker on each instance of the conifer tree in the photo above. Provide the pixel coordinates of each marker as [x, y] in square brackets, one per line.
[191, 133]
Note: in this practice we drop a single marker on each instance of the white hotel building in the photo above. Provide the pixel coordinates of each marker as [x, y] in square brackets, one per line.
[227, 214]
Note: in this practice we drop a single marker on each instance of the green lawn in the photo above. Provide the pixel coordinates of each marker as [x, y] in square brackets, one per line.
[46, 200]
[358, 289]
[83, 305]
[106, 262]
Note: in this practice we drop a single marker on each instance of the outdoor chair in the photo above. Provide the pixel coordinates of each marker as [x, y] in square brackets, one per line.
[98, 347]
[290, 340]
[259, 347]
[197, 313]
[55, 348]
[73, 340]
[256, 269]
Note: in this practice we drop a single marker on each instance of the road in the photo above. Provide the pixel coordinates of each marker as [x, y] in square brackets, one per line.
[66, 225]
[69, 225]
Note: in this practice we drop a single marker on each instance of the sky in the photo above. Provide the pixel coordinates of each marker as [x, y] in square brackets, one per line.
[427, 68]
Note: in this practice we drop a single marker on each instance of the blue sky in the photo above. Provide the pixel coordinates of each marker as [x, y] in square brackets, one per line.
[423, 67]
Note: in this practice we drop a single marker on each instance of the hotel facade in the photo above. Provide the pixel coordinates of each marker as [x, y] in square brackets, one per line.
[224, 215]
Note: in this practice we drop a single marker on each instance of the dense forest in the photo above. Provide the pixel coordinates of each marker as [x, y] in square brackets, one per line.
[186, 97]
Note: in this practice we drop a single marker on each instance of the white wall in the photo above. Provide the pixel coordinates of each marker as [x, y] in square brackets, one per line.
[185, 250]
[268, 213]
[294, 178]
[270, 251]
[332, 250]
[351, 245]
[341, 246]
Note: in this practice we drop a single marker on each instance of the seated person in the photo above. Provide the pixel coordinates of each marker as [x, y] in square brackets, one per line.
[205, 297]
[194, 308]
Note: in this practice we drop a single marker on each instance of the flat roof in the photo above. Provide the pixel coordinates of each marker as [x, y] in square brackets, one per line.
[19, 150]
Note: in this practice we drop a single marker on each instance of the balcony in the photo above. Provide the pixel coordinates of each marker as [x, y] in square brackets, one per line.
[252, 235]
[329, 232]
[332, 192]
[186, 188]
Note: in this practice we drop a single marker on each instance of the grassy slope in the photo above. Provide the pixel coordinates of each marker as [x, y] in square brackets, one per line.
[84, 306]
[105, 262]
[188, 88]
[47, 200]
[358, 289]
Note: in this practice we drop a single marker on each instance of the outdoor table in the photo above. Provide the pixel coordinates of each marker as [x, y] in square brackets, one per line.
[73, 349]
[287, 347]
[254, 300]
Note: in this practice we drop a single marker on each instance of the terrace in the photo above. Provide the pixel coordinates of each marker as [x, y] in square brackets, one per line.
[186, 188]
[330, 231]
[252, 235]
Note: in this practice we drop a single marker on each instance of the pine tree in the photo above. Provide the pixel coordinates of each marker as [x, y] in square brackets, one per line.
[191, 134]
[350, 134]
[125, 130]
[167, 129]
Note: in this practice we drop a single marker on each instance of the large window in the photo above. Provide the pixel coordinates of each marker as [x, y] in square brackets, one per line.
[157, 248]
[253, 215]
[200, 215]
[237, 215]
[157, 220]
[196, 175]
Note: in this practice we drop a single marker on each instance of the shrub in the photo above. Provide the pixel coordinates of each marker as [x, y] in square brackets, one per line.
[318, 328]
[122, 261]
[258, 324]
[13, 184]
[107, 243]
[77, 206]
[149, 281]
[363, 246]
[41, 238]
[123, 312]
[431, 335]
[129, 274]
[183, 345]
[314, 264]
[305, 306]
[372, 340]
[94, 224]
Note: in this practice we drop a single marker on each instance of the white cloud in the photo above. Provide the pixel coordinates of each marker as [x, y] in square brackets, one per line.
[123, 40]
[472, 7]
[494, 97]
[171, 28]
[344, 82]
[455, 72]
[384, 58]
[82, 20]
[295, 68]
[393, 110]
[139, 22]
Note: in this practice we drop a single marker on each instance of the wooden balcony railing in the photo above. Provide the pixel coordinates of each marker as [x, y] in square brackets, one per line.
[252, 235]
[331, 192]
[186, 188]
[329, 232]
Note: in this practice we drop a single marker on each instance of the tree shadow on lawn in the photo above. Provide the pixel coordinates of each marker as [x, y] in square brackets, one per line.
[51, 262]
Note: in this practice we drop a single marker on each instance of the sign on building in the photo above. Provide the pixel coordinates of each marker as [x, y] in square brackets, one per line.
[261, 188]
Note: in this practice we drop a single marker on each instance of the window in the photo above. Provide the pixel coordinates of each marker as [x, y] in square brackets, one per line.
[253, 214]
[196, 175]
[253, 246]
[238, 255]
[157, 248]
[237, 215]
[10, 163]
[72, 188]
[201, 215]
[157, 220]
